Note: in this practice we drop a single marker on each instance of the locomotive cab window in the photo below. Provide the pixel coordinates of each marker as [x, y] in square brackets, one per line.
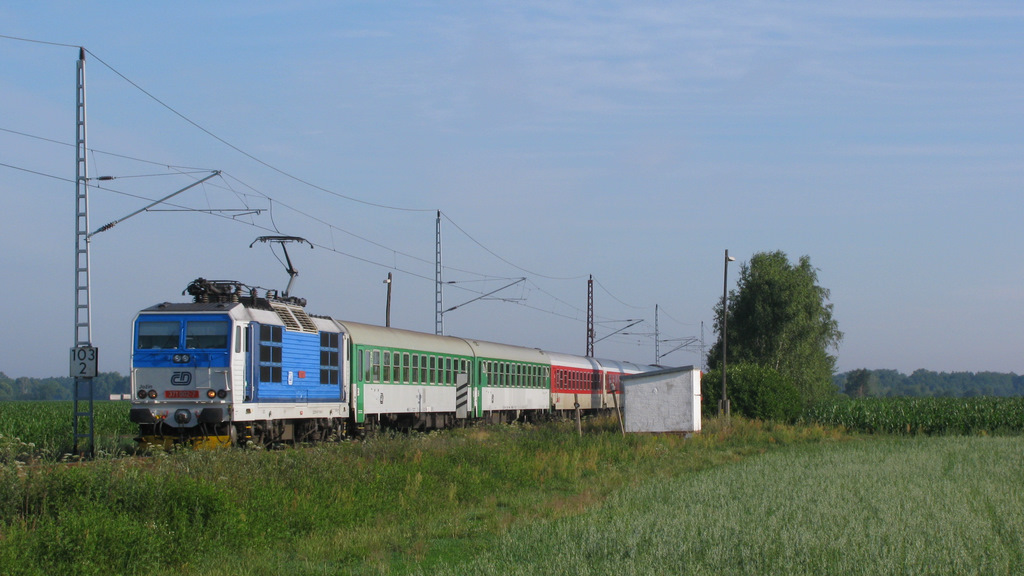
[158, 335]
[207, 335]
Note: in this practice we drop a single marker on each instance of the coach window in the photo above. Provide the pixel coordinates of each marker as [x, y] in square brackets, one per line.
[447, 370]
[430, 377]
[376, 366]
[416, 368]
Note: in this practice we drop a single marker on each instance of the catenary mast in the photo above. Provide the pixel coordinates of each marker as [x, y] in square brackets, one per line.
[83, 359]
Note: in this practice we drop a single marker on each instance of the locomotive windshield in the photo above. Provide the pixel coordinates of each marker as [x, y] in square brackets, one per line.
[158, 335]
[206, 335]
[199, 334]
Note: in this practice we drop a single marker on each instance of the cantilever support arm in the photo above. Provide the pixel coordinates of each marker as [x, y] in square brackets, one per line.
[486, 295]
[634, 323]
[110, 225]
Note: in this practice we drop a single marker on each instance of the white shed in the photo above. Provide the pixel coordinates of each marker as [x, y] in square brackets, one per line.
[662, 401]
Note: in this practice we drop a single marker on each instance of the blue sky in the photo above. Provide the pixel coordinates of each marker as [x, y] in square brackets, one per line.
[631, 141]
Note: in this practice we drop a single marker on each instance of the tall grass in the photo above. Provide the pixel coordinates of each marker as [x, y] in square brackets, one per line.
[389, 504]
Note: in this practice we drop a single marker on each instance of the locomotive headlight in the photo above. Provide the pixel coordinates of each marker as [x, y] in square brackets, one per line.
[211, 394]
[181, 358]
[152, 394]
[141, 394]
[222, 394]
[182, 416]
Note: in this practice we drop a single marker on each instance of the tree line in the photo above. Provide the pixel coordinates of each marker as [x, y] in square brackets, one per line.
[864, 383]
[25, 388]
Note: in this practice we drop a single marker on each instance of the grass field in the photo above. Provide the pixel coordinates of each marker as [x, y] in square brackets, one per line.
[950, 505]
[745, 498]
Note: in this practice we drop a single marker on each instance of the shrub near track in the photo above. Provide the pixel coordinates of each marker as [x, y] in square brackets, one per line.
[905, 415]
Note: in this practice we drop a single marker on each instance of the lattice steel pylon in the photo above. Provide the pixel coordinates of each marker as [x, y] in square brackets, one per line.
[657, 339]
[438, 294]
[82, 417]
[590, 316]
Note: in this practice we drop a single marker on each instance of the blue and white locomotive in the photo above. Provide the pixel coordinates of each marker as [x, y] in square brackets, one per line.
[234, 367]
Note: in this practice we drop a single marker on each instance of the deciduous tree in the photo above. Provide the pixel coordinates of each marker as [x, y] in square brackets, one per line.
[779, 317]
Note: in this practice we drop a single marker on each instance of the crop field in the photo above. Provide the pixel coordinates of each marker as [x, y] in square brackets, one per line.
[43, 430]
[924, 505]
[980, 415]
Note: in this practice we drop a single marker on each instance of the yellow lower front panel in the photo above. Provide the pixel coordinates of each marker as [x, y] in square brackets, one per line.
[198, 442]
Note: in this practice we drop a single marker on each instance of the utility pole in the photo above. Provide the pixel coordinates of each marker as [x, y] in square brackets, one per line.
[723, 404]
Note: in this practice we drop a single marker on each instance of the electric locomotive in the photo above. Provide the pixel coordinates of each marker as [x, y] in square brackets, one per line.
[235, 366]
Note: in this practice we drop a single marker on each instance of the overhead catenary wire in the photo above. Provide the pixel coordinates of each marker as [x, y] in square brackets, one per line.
[331, 227]
[226, 178]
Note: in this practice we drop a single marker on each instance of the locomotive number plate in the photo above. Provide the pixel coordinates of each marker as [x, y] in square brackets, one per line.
[181, 394]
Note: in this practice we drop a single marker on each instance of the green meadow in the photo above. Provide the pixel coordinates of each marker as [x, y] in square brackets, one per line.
[743, 497]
